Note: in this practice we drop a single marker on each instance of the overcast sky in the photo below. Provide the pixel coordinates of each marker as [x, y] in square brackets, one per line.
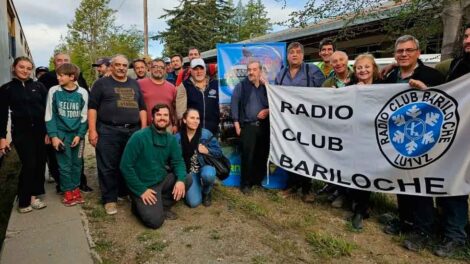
[45, 21]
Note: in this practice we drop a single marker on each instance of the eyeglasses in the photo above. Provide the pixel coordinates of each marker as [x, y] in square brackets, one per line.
[405, 51]
[158, 67]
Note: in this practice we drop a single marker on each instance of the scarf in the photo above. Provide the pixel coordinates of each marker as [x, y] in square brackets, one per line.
[189, 147]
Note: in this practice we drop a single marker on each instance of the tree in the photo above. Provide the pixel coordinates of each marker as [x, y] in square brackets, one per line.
[255, 21]
[93, 34]
[204, 23]
[416, 17]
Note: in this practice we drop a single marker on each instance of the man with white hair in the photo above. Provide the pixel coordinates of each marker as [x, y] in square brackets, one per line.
[116, 109]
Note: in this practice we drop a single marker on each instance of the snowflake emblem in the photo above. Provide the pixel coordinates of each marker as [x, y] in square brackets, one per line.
[414, 128]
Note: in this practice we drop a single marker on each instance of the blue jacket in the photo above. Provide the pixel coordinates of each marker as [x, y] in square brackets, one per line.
[212, 145]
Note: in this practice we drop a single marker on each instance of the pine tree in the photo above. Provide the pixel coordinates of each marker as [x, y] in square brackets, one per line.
[255, 21]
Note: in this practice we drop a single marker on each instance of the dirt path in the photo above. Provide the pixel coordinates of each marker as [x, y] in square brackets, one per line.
[262, 228]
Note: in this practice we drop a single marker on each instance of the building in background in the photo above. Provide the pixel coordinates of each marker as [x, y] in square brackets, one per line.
[12, 39]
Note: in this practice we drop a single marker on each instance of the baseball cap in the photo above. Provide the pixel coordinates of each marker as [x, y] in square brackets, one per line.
[100, 61]
[167, 60]
[41, 69]
[198, 62]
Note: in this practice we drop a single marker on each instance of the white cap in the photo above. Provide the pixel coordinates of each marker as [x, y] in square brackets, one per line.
[198, 62]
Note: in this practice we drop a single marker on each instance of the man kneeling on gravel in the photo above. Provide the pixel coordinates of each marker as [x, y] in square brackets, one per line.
[144, 167]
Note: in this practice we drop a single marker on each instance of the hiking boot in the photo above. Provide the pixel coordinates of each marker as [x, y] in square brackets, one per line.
[449, 247]
[85, 188]
[416, 241]
[308, 198]
[77, 196]
[110, 208]
[392, 228]
[169, 215]
[207, 199]
[356, 221]
[338, 202]
[68, 199]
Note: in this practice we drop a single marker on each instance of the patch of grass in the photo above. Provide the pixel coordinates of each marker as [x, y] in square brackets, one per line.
[214, 234]
[156, 246]
[191, 228]
[148, 235]
[463, 254]
[382, 203]
[328, 246]
[259, 260]
[350, 228]
[240, 202]
[97, 213]
[9, 169]
[103, 245]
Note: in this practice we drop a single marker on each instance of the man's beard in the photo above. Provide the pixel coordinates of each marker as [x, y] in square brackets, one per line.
[177, 69]
[158, 78]
[160, 128]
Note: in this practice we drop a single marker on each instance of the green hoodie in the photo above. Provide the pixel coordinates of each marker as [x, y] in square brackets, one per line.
[144, 159]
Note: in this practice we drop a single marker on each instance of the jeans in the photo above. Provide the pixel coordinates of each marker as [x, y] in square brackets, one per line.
[454, 216]
[203, 181]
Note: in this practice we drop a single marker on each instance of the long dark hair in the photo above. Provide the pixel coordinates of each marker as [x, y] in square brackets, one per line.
[189, 147]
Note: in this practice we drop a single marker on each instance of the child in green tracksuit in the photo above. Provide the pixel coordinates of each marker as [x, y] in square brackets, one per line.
[66, 122]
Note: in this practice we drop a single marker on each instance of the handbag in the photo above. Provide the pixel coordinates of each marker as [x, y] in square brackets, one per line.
[221, 164]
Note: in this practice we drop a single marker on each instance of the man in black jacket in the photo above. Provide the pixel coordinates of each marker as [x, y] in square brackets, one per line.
[49, 80]
[416, 212]
[250, 113]
[454, 209]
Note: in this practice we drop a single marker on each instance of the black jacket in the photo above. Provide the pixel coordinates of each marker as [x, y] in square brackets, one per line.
[459, 67]
[429, 76]
[27, 102]
[49, 79]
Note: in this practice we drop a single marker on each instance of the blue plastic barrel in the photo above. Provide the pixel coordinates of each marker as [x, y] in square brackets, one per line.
[233, 155]
[277, 178]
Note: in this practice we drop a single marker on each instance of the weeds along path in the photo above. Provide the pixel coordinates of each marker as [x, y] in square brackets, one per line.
[262, 228]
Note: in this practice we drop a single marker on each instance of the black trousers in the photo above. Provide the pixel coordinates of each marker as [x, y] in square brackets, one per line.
[31, 149]
[254, 140]
[416, 212]
[361, 199]
[111, 144]
[454, 216]
[296, 181]
[153, 215]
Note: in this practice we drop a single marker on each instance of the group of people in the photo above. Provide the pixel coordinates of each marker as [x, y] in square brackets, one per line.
[152, 131]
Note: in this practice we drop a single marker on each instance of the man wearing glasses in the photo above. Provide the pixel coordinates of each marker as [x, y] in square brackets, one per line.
[416, 212]
[157, 90]
[116, 110]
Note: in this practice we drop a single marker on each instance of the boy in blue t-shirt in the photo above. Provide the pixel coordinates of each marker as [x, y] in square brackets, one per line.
[66, 122]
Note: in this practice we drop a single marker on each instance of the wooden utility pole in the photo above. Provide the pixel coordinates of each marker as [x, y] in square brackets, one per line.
[146, 30]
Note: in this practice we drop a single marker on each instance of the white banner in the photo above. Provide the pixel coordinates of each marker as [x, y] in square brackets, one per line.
[383, 138]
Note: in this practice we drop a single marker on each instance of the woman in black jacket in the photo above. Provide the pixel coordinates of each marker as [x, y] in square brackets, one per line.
[26, 99]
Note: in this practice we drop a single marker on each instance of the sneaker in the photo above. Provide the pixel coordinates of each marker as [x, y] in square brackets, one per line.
[308, 198]
[392, 228]
[110, 208]
[327, 189]
[416, 241]
[68, 199]
[449, 247]
[77, 196]
[169, 215]
[85, 188]
[38, 204]
[356, 221]
[338, 202]
[23, 210]
[388, 218]
[207, 200]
